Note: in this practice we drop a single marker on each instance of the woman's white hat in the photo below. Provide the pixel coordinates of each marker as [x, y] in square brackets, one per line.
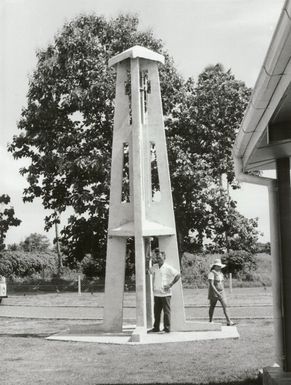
[217, 262]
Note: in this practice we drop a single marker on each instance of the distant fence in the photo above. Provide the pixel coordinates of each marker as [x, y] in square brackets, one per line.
[90, 286]
[60, 286]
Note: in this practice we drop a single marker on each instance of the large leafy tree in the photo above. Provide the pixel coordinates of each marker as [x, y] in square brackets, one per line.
[35, 242]
[7, 218]
[66, 128]
[66, 131]
[202, 129]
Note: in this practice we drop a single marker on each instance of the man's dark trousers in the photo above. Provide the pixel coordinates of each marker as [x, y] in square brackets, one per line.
[162, 303]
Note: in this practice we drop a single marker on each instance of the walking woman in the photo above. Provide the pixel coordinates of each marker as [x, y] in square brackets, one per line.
[216, 290]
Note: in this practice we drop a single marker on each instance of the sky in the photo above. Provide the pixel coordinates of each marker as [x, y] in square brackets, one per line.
[196, 33]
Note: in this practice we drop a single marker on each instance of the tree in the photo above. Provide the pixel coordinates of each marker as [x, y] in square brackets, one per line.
[220, 102]
[201, 133]
[66, 131]
[239, 263]
[242, 234]
[7, 218]
[58, 247]
[66, 128]
[35, 242]
[18, 263]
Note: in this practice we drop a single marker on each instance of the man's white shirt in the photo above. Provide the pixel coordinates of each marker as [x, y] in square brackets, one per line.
[162, 276]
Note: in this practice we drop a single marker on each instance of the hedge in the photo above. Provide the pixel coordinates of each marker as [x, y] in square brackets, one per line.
[25, 264]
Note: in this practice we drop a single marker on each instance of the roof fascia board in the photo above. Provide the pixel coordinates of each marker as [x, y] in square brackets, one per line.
[276, 61]
[253, 120]
[278, 46]
[264, 90]
[250, 121]
[264, 154]
[266, 165]
[267, 114]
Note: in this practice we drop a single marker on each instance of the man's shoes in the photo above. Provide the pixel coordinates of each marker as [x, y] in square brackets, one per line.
[231, 323]
[166, 330]
[153, 330]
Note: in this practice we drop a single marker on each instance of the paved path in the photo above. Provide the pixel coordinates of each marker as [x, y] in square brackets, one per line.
[244, 304]
[91, 313]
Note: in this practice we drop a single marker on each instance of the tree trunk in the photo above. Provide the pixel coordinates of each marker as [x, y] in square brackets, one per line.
[225, 185]
[179, 242]
[60, 259]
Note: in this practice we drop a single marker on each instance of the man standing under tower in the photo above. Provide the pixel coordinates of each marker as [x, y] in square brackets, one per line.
[164, 277]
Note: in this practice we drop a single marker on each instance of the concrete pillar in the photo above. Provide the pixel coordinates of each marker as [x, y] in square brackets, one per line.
[284, 195]
[276, 272]
[114, 284]
[149, 287]
[138, 198]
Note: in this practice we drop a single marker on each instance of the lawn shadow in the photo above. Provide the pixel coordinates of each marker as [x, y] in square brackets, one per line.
[248, 381]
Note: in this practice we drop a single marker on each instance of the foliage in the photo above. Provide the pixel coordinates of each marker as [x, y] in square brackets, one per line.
[67, 124]
[7, 218]
[201, 133]
[66, 131]
[24, 264]
[35, 242]
[242, 233]
[92, 267]
[263, 273]
[195, 269]
[239, 263]
[247, 269]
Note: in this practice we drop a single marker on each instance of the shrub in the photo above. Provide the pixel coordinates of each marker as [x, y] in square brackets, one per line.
[26, 264]
[243, 266]
[239, 263]
[92, 267]
[195, 269]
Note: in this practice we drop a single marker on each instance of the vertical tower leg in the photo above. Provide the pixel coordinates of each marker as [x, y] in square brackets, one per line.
[140, 288]
[149, 288]
[114, 284]
[138, 195]
[140, 283]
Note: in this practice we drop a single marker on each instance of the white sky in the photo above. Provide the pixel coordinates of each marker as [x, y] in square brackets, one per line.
[196, 33]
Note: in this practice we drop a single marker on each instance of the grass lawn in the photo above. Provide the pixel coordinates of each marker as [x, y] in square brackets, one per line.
[33, 360]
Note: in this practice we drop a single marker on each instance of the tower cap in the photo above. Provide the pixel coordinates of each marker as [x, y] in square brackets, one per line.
[136, 52]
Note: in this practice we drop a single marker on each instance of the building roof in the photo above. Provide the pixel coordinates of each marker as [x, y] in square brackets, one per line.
[265, 132]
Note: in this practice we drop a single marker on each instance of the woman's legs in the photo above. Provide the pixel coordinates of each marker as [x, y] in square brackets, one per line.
[224, 306]
[211, 308]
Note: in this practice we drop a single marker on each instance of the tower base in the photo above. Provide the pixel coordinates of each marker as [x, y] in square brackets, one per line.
[131, 335]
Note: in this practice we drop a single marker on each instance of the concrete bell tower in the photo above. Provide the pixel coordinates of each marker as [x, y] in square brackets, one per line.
[140, 195]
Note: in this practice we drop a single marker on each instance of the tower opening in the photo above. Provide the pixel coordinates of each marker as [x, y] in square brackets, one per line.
[125, 189]
[155, 182]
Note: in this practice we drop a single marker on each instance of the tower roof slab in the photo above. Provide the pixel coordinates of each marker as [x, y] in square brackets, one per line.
[136, 52]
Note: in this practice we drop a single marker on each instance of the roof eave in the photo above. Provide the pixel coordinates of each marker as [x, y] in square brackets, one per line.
[273, 71]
